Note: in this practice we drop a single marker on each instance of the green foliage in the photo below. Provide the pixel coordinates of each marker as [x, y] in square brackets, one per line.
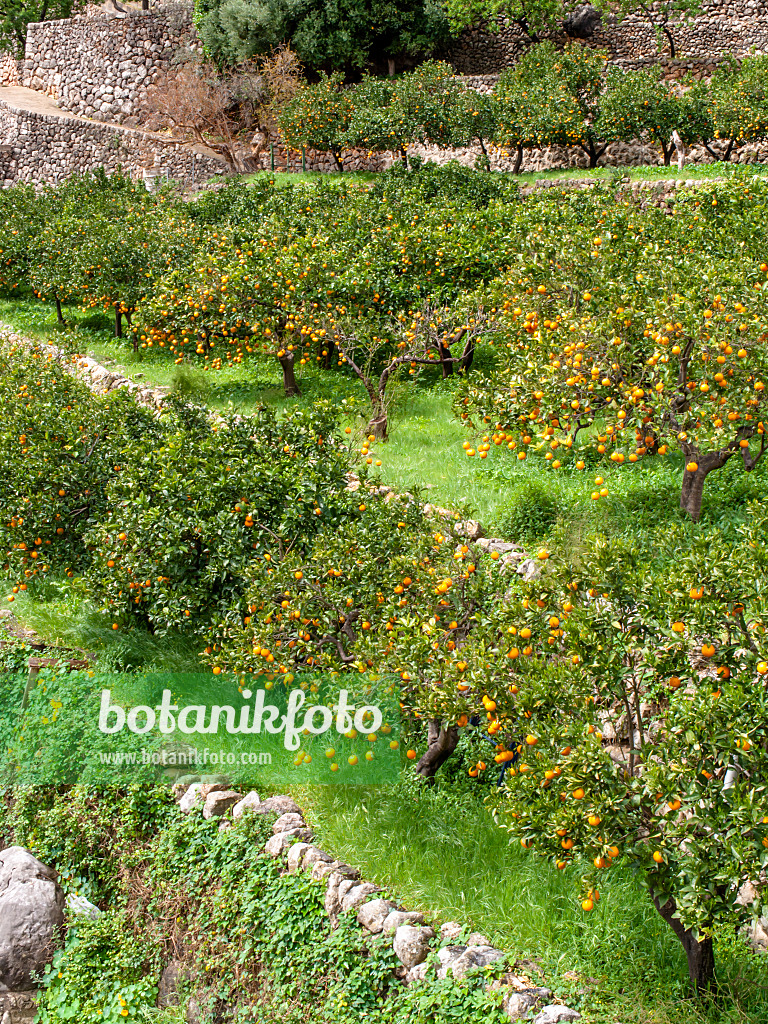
[738, 101]
[250, 932]
[103, 975]
[532, 513]
[318, 117]
[627, 641]
[533, 16]
[60, 444]
[640, 105]
[628, 361]
[349, 36]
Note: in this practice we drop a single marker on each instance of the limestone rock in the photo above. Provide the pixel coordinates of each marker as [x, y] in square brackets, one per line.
[555, 1015]
[278, 805]
[277, 845]
[190, 798]
[31, 917]
[517, 1005]
[450, 930]
[356, 895]
[249, 802]
[294, 857]
[398, 917]
[458, 960]
[219, 802]
[411, 944]
[288, 821]
[373, 914]
[81, 907]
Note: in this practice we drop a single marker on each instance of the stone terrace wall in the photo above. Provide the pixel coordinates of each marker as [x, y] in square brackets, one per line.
[46, 148]
[735, 26]
[101, 66]
[9, 70]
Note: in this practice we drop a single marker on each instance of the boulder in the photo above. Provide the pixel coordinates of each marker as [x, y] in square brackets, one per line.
[277, 845]
[555, 1015]
[190, 798]
[461, 959]
[411, 944]
[288, 821]
[81, 907]
[295, 855]
[31, 917]
[356, 895]
[398, 917]
[373, 914]
[450, 930]
[315, 855]
[219, 802]
[582, 22]
[278, 805]
[250, 801]
[517, 1005]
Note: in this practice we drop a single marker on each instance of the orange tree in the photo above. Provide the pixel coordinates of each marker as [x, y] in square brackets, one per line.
[430, 336]
[160, 515]
[646, 713]
[60, 445]
[626, 333]
[102, 242]
[738, 103]
[534, 108]
[22, 210]
[565, 89]
[318, 117]
[238, 299]
[188, 514]
[641, 105]
[389, 588]
[278, 266]
[425, 105]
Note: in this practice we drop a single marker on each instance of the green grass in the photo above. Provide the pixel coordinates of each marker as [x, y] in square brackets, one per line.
[644, 172]
[439, 851]
[61, 614]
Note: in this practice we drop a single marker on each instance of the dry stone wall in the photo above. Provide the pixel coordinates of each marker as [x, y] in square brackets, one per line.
[101, 66]
[725, 26]
[46, 148]
[9, 70]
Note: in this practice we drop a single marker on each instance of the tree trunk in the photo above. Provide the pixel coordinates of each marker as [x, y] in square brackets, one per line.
[672, 50]
[330, 349]
[441, 743]
[290, 384]
[446, 363]
[337, 161]
[468, 356]
[693, 482]
[390, 67]
[698, 950]
[59, 314]
[403, 157]
[377, 425]
[518, 160]
[667, 151]
[118, 323]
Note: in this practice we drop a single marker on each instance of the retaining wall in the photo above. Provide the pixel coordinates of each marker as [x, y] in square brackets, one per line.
[45, 148]
[725, 26]
[102, 66]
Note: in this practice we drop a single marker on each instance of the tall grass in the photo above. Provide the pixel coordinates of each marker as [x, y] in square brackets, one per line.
[439, 850]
